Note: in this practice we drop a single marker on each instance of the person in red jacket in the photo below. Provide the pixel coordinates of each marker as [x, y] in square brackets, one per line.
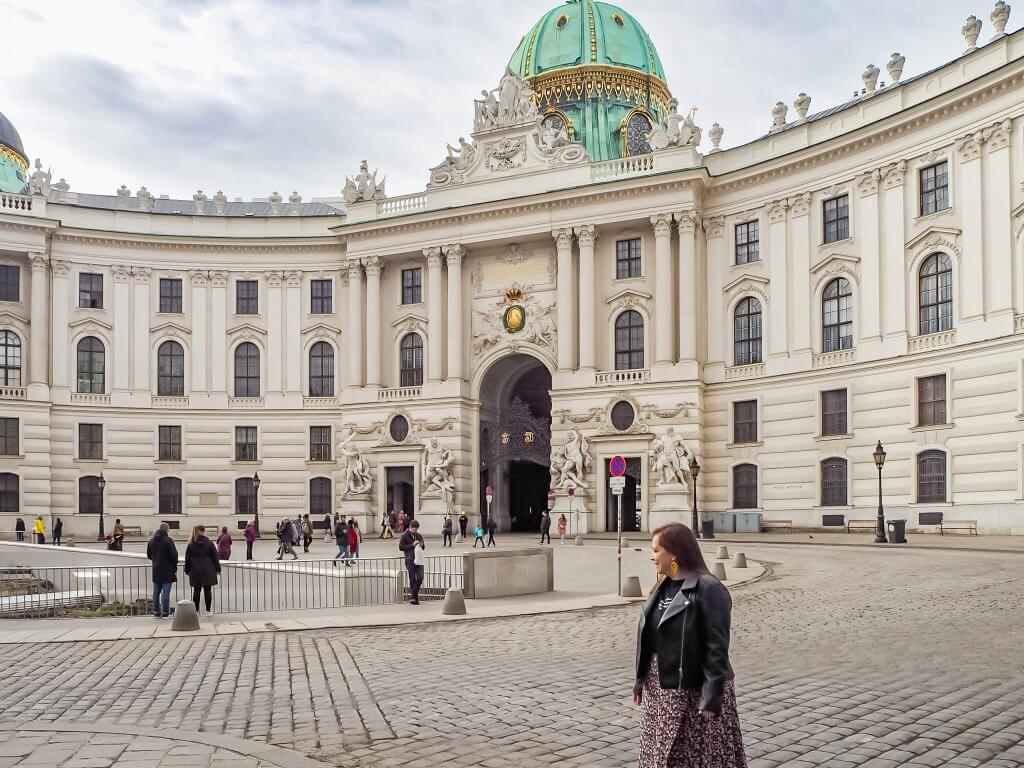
[354, 538]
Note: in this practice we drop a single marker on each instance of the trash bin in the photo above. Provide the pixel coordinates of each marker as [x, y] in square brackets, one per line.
[707, 529]
[897, 531]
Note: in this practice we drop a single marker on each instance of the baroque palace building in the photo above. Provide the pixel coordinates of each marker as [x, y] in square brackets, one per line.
[588, 276]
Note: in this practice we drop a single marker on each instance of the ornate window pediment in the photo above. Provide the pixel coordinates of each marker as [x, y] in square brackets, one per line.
[10, 319]
[90, 323]
[946, 239]
[629, 298]
[321, 329]
[408, 323]
[836, 265]
[246, 331]
[747, 283]
[170, 329]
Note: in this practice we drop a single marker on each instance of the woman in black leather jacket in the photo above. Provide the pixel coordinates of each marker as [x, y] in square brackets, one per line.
[684, 683]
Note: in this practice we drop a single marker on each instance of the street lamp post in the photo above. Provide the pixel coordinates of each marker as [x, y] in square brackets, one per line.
[101, 484]
[879, 457]
[694, 471]
[489, 495]
[256, 502]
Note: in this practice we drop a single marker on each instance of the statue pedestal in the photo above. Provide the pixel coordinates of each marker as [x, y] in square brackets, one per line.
[431, 515]
[579, 520]
[671, 505]
[360, 509]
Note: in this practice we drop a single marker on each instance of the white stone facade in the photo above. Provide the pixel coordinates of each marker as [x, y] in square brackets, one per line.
[550, 229]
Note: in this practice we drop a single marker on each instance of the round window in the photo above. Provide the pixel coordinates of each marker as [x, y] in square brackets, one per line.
[562, 21]
[618, 20]
[623, 415]
[399, 429]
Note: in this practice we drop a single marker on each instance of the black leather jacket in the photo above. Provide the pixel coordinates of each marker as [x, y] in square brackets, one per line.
[691, 641]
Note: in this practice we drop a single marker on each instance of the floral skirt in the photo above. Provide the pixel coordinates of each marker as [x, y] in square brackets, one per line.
[673, 733]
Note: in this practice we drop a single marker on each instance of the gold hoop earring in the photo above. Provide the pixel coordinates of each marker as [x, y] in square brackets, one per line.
[674, 567]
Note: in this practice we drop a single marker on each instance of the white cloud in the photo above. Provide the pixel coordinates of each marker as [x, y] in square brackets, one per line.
[251, 97]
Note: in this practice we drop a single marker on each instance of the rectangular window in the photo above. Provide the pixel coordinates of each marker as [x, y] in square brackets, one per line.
[90, 497]
[931, 400]
[748, 242]
[321, 294]
[837, 218]
[935, 188]
[90, 290]
[10, 283]
[170, 496]
[245, 443]
[627, 258]
[90, 441]
[170, 295]
[412, 286]
[247, 297]
[319, 443]
[833, 412]
[8, 437]
[169, 439]
[744, 421]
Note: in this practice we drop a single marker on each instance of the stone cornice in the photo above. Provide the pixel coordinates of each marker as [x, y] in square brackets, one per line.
[298, 245]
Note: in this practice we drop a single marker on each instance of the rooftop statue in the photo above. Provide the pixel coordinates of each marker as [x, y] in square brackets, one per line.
[513, 104]
[678, 131]
[364, 187]
[39, 182]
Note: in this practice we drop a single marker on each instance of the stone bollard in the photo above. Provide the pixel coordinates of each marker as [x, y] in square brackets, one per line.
[723, 553]
[459, 539]
[631, 587]
[454, 603]
[718, 571]
[740, 561]
[185, 617]
[625, 543]
[578, 541]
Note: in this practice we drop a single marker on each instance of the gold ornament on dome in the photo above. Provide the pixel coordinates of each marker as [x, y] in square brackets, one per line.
[594, 80]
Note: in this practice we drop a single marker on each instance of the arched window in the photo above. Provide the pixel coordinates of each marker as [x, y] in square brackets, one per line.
[319, 497]
[245, 497]
[936, 290]
[91, 366]
[629, 341]
[8, 492]
[833, 483]
[10, 359]
[837, 315]
[170, 370]
[170, 496]
[247, 370]
[931, 477]
[321, 370]
[411, 360]
[90, 497]
[747, 332]
[744, 486]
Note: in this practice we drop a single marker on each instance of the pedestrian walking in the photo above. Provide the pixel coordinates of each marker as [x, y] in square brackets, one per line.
[40, 530]
[389, 525]
[446, 531]
[286, 533]
[328, 527]
[393, 522]
[402, 521]
[355, 538]
[545, 526]
[341, 538]
[684, 683]
[58, 532]
[463, 524]
[296, 531]
[201, 566]
[19, 530]
[492, 526]
[164, 554]
[118, 535]
[562, 525]
[412, 546]
[224, 544]
[250, 537]
[479, 533]
[383, 522]
[307, 533]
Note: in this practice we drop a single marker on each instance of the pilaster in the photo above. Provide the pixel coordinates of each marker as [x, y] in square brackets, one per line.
[435, 316]
[293, 335]
[586, 235]
[354, 331]
[122, 329]
[664, 290]
[453, 257]
[998, 254]
[689, 223]
[218, 333]
[39, 330]
[373, 267]
[801, 310]
[275, 342]
[778, 271]
[140, 335]
[971, 276]
[566, 291]
[893, 274]
[59, 340]
[199, 280]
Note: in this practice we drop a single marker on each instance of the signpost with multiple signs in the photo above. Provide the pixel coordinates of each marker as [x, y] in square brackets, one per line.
[617, 482]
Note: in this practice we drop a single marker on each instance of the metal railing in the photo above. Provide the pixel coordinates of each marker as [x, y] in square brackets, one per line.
[243, 587]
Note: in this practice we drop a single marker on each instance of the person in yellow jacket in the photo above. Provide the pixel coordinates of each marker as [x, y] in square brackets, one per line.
[40, 530]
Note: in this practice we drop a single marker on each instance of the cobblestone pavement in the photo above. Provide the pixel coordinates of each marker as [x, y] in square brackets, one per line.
[844, 657]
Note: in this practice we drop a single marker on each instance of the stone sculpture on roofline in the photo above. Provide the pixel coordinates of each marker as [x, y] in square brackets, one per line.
[364, 186]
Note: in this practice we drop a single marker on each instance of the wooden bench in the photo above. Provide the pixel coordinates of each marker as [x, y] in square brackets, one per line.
[861, 525]
[971, 526]
[776, 525]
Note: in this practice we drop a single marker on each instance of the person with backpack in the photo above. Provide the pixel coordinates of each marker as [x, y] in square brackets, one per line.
[40, 530]
[492, 526]
[562, 525]
[446, 531]
[224, 544]
[355, 537]
[463, 524]
[307, 533]
[164, 554]
[479, 533]
[250, 537]
[286, 534]
[412, 545]
[342, 540]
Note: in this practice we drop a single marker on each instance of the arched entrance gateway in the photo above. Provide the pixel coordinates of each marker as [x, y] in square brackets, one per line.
[515, 441]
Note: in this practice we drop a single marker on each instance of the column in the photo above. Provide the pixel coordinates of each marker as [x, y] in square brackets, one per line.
[565, 293]
[800, 308]
[664, 289]
[59, 342]
[275, 342]
[122, 327]
[39, 350]
[895, 298]
[140, 328]
[198, 278]
[866, 319]
[998, 220]
[718, 259]
[689, 224]
[971, 273]
[587, 331]
[373, 269]
[355, 324]
[293, 334]
[218, 331]
[453, 256]
[435, 318]
[777, 272]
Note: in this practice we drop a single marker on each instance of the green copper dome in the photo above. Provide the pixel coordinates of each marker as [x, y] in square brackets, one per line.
[13, 161]
[594, 67]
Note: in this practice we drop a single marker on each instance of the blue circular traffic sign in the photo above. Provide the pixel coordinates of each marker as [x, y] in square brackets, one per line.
[617, 466]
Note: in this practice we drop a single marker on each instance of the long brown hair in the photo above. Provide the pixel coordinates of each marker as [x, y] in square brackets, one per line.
[680, 541]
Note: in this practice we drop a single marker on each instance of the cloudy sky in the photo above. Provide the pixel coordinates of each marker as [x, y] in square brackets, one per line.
[251, 97]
